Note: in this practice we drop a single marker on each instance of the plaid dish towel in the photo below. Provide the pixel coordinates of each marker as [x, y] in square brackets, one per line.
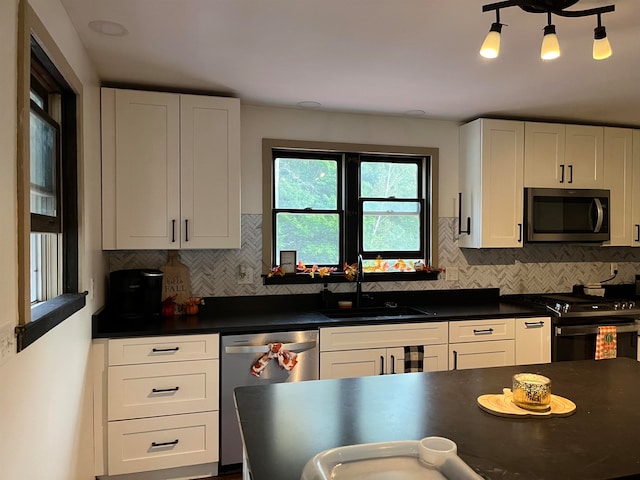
[606, 343]
[413, 359]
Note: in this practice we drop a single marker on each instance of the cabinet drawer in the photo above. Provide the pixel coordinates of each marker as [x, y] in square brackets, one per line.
[162, 442]
[374, 336]
[124, 351]
[150, 390]
[481, 330]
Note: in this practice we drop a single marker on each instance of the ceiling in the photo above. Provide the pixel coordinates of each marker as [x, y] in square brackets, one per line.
[372, 56]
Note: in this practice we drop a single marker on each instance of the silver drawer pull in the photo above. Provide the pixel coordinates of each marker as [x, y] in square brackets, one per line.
[164, 444]
[486, 331]
[165, 350]
[534, 324]
[165, 390]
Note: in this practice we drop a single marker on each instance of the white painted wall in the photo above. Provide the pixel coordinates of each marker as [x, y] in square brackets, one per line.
[260, 122]
[45, 391]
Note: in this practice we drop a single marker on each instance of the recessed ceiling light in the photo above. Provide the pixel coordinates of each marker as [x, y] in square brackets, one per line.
[105, 27]
[415, 113]
[309, 104]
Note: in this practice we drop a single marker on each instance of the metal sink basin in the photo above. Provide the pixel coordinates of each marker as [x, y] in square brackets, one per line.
[374, 313]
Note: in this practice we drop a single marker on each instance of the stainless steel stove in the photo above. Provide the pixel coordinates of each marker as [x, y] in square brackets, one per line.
[576, 318]
[569, 305]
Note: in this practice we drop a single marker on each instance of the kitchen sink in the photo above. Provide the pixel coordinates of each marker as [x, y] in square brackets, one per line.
[374, 313]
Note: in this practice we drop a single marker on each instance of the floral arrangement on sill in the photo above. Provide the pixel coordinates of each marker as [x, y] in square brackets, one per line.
[350, 271]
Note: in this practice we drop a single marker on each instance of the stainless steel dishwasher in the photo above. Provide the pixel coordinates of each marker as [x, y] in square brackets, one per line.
[239, 353]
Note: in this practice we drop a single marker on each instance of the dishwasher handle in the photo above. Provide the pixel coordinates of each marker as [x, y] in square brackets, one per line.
[299, 346]
[573, 331]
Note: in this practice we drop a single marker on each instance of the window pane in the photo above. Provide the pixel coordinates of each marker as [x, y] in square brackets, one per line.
[391, 226]
[43, 167]
[385, 179]
[302, 183]
[384, 265]
[44, 266]
[36, 98]
[314, 236]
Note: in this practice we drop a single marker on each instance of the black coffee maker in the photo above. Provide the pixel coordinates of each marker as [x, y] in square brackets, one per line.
[135, 294]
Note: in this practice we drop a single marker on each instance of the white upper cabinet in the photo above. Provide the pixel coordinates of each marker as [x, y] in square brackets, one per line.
[563, 156]
[635, 185]
[618, 179]
[491, 183]
[170, 170]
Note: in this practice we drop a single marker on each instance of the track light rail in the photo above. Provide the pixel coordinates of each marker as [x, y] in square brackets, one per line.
[555, 7]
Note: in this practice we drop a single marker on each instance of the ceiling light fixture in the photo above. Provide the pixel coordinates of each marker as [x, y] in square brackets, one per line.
[550, 45]
[601, 46]
[309, 104]
[105, 27]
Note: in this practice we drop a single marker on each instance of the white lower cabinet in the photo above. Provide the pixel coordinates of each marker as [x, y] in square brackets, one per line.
[367, 350]
[495, 353]
[533, 340]
[481, 343]
[377, 361]
[156, 405]
[161, 442]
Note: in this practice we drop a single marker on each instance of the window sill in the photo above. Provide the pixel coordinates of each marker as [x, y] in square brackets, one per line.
[47, 316]
[305, 278]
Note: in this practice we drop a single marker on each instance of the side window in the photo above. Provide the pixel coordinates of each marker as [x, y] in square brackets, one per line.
[48, 98]
[53, 183]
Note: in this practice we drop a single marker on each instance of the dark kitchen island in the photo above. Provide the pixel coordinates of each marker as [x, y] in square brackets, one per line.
[284, 425]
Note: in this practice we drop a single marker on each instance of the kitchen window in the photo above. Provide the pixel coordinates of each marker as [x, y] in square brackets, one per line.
[48, 155]
[331, 203]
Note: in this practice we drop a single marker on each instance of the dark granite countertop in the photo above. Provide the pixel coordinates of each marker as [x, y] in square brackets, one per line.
[231, 315]
[284, 425]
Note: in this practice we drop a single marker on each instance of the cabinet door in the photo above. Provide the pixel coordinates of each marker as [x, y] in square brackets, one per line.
[533, 340]
[491, 180]
[352, 363]
[584, 156]
[146, 169]
[481, 354]
[210, 172]
[618, 175]
[544, 151]
[635, 209]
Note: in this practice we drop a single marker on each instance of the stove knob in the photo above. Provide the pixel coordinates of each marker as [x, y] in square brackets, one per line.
[625, 305]
[617, 305]
[632, 304]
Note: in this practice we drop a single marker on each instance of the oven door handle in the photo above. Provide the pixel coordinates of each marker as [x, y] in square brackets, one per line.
[593, 330]
[299, 346]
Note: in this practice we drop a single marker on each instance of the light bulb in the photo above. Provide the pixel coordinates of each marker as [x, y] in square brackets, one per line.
[550, 45]
[601, 46]
[491, 45]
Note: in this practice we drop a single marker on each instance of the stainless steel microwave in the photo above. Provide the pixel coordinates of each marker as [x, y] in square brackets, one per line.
[566, 215]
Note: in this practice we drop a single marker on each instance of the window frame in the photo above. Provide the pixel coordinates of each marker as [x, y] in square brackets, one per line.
[34, 40]
[350, 239]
